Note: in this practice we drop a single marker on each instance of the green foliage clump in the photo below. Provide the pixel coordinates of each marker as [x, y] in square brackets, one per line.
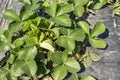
[48, 39]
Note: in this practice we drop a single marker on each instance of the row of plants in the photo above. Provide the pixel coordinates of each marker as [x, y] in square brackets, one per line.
[48, 39]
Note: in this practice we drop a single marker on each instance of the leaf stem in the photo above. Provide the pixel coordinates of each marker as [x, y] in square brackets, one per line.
[51, 24]
[76, 75]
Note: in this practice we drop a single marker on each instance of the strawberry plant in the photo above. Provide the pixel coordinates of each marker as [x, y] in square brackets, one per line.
[47, 38]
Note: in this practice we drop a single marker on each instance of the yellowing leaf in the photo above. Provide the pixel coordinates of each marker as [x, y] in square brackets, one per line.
[47, 46]
[94, 56]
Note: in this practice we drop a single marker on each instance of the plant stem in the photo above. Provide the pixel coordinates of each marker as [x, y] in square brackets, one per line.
[51, 24]
[76, 75]
[35, 78]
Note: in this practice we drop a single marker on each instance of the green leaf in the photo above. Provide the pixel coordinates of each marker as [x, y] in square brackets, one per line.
[87, 61]
[63, 20]
[79, 10]
[18, 71]
[65, 9]
[35, 5]
[64, 55]
[76, 2]
[25, 1]
[47, 45]
[67, 43]
[15, 26]
[28, 67]
[87, 77]
[97, 43]
[85, 27]
[28, 11]
[59, 72]
[18, 64]
[41, 38]
[5, 44]
[26, 25]
[8, 36]
[36, 21]
[57, 57]
[116, 7]
[77, 34]
[18, 42]
[98, 29]
[75, 78]
[3, 75]
[32, 67]
[94, 56]
[56, 32]
[66, 31]
[25, 69]
[25, 13]
[28, 53]
[84, 2]
[11, 76]
[97, 4]
[72, 65]
[30, 41]
[51, 8]
[80, 2]
[11, 58]
[9, 14]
